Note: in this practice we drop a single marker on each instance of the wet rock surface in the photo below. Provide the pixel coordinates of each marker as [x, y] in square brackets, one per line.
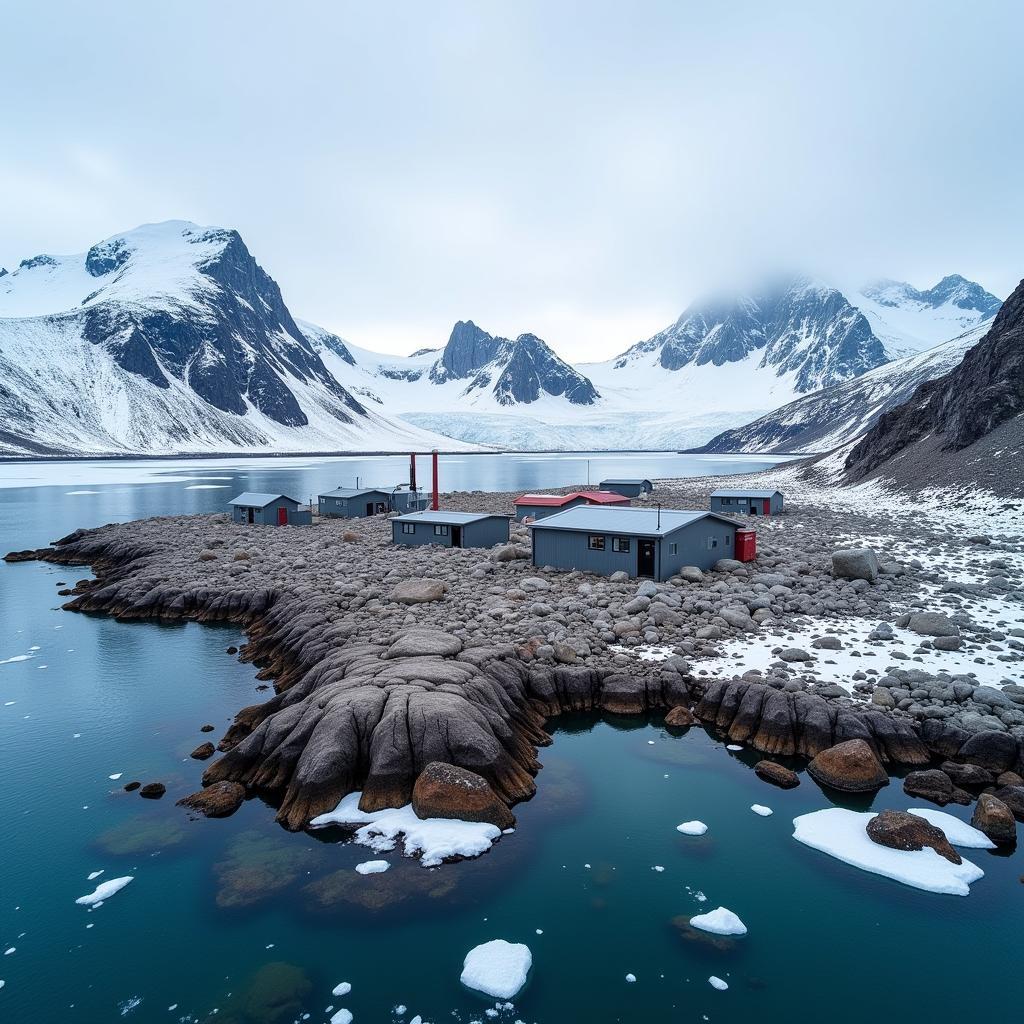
[899, 830]
[368, 689]
[217, 801]
[851, 766]
[444, 791]
[995, 819]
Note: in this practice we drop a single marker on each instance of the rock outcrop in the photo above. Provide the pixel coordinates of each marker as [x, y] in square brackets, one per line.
[851, 766]
[444, 791]
[899, 830]
[217, 801]
[995, 819]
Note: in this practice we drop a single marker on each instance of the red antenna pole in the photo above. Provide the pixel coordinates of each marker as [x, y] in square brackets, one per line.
[434, 503]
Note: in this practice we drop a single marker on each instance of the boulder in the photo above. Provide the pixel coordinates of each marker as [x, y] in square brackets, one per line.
[216, 801]
[967, 774]
[851, 766]
[899, 830]
[776, 774]
[855, 564]
[934, 785]
[932, 624]
[203, 751]
[420, 642]
[739, 619]
[153, 790]
[418, 591]
[995, 819]
[794, 654]
[728, 565]
[1013, 797]
[691, 574]
[827, 643]
[679, 718]
[509, 553]
[445, 791]
[996, 751]
[947, 643]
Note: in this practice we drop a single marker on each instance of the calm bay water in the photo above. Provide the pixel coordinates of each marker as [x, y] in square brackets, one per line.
[240, 917]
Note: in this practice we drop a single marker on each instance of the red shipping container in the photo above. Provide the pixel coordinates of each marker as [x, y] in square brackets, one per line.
[746, 545]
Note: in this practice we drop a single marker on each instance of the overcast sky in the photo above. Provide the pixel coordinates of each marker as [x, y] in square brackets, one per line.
[578, 170]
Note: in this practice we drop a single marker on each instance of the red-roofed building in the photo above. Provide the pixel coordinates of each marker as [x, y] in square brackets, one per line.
[530, 507]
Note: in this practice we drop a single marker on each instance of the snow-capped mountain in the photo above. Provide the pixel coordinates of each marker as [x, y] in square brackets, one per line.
[169, 338]
[908, 320]
[835, 415]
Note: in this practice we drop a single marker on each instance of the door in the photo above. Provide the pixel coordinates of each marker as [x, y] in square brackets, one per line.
[753, 508]
[456, 536]
[369, 508]
[645, 558]
[282, 517]
[767, 506]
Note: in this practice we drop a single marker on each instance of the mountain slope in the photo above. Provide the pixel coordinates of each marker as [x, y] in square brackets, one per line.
[168, 338]
[908, 320]
[945, 418]
[828, 418]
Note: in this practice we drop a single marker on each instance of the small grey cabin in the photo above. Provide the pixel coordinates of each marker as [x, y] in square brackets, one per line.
[269, 510]
[644, 542]
[354, 502]
[630, 488]
[451, 529]
[746, 503]
[404, 500]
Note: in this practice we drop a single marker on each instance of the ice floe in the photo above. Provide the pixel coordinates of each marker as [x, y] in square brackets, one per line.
[762, 810]
[958, 832]
[842, 834]
[104, 891]
[343, 1016]
[716, 982]
[16, 658]
[372, 867]
[497, 968]
[631, 978]
[719, 922]
[692, 828]
[342, 989]
[434, 839]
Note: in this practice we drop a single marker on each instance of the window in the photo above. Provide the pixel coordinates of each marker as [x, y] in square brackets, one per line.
[673, 548]
[440, 531]
[728, 539]
[408, 527]
[620, 544]
[712, 543]
[727, 501]
[595, 542]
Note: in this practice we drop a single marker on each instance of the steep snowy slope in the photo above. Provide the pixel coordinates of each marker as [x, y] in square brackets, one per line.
[168, 338]
[826, 419]
[908, 320]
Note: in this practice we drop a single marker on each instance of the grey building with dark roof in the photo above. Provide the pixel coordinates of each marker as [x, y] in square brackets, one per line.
[451, 529]
[630, 487]
[645, 542]
[259, 509]
[747, 502]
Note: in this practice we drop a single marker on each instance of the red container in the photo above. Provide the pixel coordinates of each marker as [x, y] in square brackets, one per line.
[746, 545]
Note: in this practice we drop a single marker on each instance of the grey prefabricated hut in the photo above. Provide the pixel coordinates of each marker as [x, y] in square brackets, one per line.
[629, 487]
[354, 502]
[739, 501]
[269, 510]
[643, 542]
[409, 501]
[451, 529]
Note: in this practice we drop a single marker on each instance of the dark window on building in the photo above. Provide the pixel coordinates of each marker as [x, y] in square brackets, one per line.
[712, 543]
[595, 542]
[728, 539]
[620, 544]
[440, 531]
[673, 548]
[408, 527]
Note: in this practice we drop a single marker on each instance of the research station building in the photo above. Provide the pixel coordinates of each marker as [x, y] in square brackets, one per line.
[451, 529]
[746, 502]
[629, 487]
[260, 509]
[538, 506]
[359, 502]
[644, 542]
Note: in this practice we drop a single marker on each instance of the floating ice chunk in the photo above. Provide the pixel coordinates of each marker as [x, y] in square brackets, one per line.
[658, 867]
[842, 834]
[733, 746]
[343, 1016]
[719, 922]
[103, 891]
[958, 832]
[8, 952]
[16, 657]
[115, 776]
[630, 978]
[372, 867]
[436, 839]
[692, 828]
[399, 1010]
[341, 989]
[497, 968]
[762, 810]
[716, 982]
[93, 875]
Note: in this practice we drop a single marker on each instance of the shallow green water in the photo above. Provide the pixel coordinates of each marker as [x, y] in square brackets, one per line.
[215, 902]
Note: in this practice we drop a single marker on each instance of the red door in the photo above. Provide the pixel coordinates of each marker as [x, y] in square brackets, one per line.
[282, 517]
[767, 506]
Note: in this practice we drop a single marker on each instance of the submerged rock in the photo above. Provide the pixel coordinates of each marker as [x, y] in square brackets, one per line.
[444, 791]
[153, 790]
[777, 774]
[899, 830]
[851, 766]
[217, 801]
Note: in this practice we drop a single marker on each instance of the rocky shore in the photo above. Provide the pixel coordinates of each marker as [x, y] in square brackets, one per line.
[387, 659]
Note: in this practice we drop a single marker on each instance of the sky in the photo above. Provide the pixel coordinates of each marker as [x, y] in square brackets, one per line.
[580, 171]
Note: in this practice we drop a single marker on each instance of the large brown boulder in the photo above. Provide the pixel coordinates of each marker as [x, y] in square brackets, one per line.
[776, 774]
[851, 766]
[445, 791]
[935, 785]
[679, 718]
[203, 751]
[899, 830]
[995, 819]
[216, 801]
